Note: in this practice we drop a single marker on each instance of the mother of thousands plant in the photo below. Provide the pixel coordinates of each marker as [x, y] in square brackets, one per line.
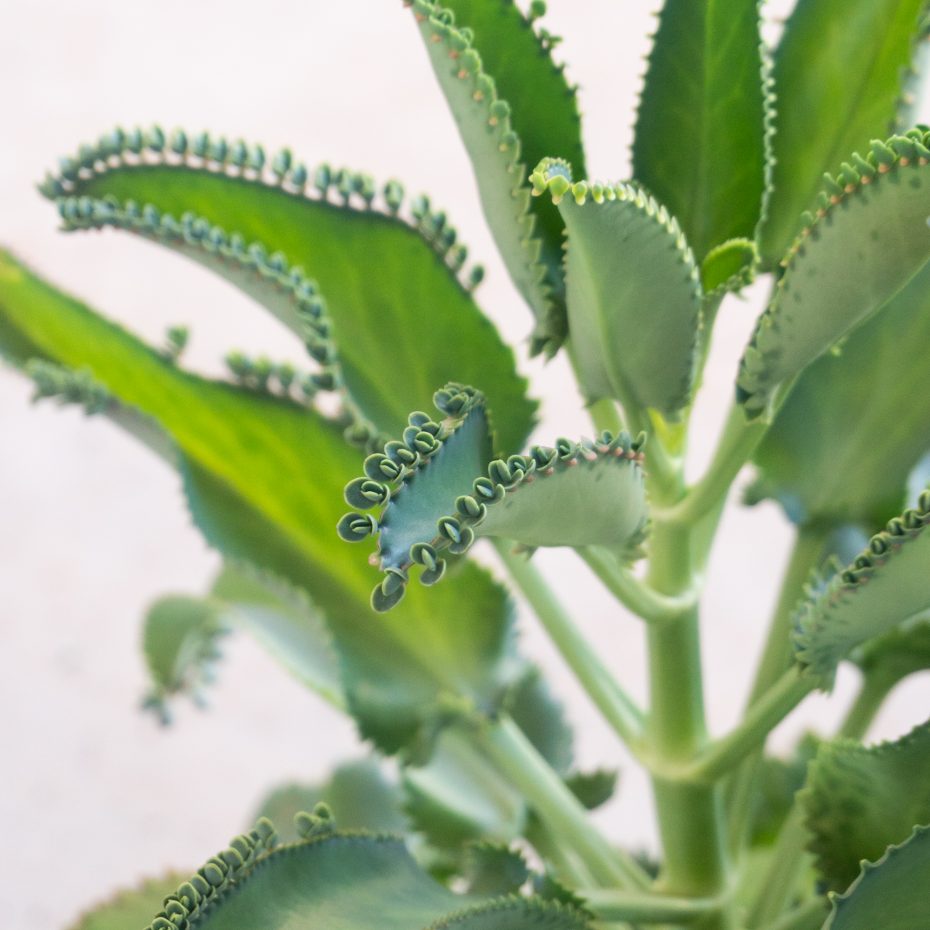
[747, 160]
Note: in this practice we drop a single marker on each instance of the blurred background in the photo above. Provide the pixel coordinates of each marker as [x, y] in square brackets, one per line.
[94, 793]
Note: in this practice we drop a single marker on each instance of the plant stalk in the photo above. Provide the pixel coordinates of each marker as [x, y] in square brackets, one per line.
[617, 708]
[645, 907]
[519, 761]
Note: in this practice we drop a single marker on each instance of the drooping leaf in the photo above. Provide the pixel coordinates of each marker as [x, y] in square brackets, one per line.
[398, 319]
[511, 109]
[130, 908]
[263, 477]
[633, 290]
[358, 794]
[701, 137]
[341, 881]
[858, 800]
[435, 496]
[870, 237]
[810, 459]
[891, 893]
[882, 589]
[838, 79]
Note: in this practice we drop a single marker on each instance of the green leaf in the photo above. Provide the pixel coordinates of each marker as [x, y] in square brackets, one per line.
[858, 800]
[893, 657]
[380, 275]
[891, 893]
[634, 292]
[869, 238]
[884, 587]
[838, 78]
[357, 793]
[129, 908]
[263, 477]
[541, 717]
[434, 496]
[701, 139]
[512, 106]
[593, 788]
[493, 869]
[818, 468]
[341, 881]
[776, 783]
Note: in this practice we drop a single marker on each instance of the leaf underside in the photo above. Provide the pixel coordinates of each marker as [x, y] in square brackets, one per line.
[869, 238]
[701, 138]
[435, 495]
[818, 468]
[342, 881]
[838, 74]
[859, 800]
[398, 316]
[891, 893]
[633, 291]
[882, 589]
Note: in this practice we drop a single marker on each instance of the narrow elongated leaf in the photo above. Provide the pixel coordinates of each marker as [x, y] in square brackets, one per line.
[859, 800]
[884, 587]
[435, 496]
[341, 881]
[263, 478]
[891, 893]
[700, 143]
[381, 276]
[870, 237]
[819, 468]
[512, 106]
[132, 907]
[633, 290]
[838, 78]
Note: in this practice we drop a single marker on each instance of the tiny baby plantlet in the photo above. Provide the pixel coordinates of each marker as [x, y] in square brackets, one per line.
[748, 161]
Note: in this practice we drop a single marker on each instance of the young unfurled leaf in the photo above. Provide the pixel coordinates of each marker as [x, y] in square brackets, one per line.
[434, 495]
[512, 106]
[396, 317]
[263, 478]
[890, 893]
[813, 463]
[132, 907]
[884, 587]
[869, 238]
[341, 881]
[701, 138]
[633, 290]
[838, 79]
[859, 800]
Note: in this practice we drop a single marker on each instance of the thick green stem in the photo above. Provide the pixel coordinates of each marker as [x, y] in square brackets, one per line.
[645, 907]
[519, 761]
[689, 815]
[862, 712]
[607, 695]
[638, 597]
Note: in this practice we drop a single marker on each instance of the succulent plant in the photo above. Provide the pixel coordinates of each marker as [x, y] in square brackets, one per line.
[750, 160]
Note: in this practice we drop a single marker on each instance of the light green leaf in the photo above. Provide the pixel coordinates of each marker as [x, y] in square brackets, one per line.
[838, 79]
[263, 477]
[701, 145]
[891, 893]
[888, 659]
[634, 292]
[512, 107]
[130, 908]
[435, 497]
[357, 793]
[342, 881]
[810, 460]
[882, 589]
[382, 277]
[858, 800]
[869, 239]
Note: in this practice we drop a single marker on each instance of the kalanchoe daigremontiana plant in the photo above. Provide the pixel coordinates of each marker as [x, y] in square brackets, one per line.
[797, 162]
